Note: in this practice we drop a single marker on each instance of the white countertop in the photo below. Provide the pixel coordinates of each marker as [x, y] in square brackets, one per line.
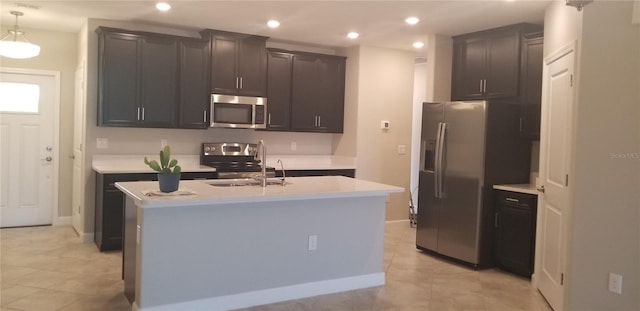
[122, 164]
[298, 188]
[522, 188]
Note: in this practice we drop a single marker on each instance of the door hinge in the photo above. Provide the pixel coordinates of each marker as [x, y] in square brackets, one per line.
[566, 180]
[561, 278]
[571, 81]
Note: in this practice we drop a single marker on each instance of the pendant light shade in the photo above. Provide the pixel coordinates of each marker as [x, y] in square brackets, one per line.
[16, 44]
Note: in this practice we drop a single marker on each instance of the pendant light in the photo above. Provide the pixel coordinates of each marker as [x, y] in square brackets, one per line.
[16, 44]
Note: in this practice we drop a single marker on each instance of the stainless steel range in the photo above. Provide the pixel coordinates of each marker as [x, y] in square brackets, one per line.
[233, 160]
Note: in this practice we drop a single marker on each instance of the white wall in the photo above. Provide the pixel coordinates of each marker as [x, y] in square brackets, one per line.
[605, 225]
[606, 229]
[380, 87]
[439, 63]
[57, 53]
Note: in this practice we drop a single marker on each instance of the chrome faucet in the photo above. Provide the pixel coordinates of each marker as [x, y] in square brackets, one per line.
[262, 149]
[284, 175]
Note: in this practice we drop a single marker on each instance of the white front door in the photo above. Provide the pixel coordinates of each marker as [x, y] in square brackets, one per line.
[555, 158]
[27, 150]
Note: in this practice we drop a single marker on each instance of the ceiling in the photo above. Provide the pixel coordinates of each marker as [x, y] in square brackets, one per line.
[325, 23]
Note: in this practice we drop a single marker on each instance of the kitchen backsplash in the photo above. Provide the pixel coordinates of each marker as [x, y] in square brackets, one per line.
[126, 141]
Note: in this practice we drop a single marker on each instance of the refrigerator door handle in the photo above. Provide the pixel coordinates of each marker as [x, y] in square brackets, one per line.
[443, 132]
[437, 168]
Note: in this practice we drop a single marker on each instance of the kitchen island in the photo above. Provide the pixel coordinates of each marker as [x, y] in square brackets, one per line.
[225, 247]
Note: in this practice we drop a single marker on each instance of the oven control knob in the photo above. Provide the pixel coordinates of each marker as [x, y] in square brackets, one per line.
[207, 149]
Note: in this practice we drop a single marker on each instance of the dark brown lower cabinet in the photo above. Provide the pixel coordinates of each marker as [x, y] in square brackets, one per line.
[297, 173]
[109, 212]
[515, 222]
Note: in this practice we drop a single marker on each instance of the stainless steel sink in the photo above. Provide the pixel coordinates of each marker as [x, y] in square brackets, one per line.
[245, 182]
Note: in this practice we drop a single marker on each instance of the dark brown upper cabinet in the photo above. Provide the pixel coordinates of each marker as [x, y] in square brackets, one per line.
[195, 64]
[118, 79]
[151, 80]
[238, 64]
[279, 65]
[486, 64]
[158, 87]
[317, 93]
[531, 84]
[305, 91]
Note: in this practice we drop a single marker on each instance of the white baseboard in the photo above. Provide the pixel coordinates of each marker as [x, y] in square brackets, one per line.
[272, 295]
[86, 237]
[62, 221]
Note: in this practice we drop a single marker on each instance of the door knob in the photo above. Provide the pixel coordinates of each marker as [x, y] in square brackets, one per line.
[48, 159]
[540, 189]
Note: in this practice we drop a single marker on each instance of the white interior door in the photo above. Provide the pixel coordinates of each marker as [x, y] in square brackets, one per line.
[27, 150]
[555, 156]
[78, 155]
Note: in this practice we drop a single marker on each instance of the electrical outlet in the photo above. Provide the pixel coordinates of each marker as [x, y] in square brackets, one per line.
[615, 283]
[313, 242]
[102, 143]
[163, 142]
[293, 146]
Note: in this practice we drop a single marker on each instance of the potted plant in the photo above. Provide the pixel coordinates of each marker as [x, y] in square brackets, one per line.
[168, 170]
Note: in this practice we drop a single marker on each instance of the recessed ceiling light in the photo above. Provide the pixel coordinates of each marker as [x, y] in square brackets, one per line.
[418, 44]
[353, 35]
[412, 20]
[163, 6]
[273, 23]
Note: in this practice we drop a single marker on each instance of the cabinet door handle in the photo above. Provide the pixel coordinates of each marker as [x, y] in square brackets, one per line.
[240, 82]
[319, 121]
[138, 112]
[495, 220]
[480, 85]
[269, 119]
[484, 88]
[204, 116]
[237, 83]
[315, 121]
[142, 113]
[512, 200]
[521, 127]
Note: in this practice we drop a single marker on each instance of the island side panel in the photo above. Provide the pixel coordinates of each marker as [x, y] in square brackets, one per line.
[188, 253]
[129, 249]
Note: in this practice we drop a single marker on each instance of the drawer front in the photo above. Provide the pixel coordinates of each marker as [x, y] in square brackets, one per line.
[516, 199]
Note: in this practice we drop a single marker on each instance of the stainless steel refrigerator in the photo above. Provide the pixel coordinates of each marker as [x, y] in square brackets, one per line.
[466, 148]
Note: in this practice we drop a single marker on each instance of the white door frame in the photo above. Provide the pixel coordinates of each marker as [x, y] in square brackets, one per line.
[56, 219]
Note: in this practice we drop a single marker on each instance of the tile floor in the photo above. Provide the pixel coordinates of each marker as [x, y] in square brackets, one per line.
[47, 268]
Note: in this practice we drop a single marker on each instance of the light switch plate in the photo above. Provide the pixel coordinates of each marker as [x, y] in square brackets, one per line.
[385, 125]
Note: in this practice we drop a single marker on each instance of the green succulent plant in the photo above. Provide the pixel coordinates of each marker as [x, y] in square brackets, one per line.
[166, 165]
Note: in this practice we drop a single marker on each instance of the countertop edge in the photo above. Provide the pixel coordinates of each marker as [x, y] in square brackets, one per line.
[521, 188]
[145, 202]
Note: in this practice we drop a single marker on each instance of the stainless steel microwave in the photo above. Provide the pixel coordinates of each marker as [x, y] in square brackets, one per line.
[238, 111]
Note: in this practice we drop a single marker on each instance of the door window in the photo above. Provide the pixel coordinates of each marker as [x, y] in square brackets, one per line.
[19, 97]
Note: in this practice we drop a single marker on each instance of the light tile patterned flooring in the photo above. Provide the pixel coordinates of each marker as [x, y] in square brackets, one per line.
[47, 268]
